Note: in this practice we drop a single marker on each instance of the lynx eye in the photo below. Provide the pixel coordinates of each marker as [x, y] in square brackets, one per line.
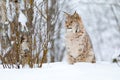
[70, 55]
[71, 21]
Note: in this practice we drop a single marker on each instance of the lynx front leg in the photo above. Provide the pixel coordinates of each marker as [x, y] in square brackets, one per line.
[70, 59]
[81, 58]
[91, 57]
[94, 60]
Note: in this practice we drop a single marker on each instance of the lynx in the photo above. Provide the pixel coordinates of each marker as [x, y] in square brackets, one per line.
[78, 44]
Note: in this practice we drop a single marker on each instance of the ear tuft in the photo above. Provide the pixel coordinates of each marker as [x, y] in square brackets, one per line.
[66, 14]
[75, 12]
[76, 15]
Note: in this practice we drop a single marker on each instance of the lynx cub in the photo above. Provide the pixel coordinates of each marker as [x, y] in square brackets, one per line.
[78, 44]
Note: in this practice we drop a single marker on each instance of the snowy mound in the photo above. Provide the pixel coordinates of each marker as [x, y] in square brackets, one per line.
[64, 71]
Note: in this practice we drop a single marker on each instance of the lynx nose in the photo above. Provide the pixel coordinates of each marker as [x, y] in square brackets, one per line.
[75, 31]
[67, 26]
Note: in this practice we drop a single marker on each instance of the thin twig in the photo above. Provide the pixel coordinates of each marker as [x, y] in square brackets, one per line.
[40, 12]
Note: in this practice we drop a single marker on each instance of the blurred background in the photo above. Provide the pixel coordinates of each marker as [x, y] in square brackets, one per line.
[42, 21]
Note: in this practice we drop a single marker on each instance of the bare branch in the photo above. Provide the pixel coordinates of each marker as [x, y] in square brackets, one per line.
[40, 12]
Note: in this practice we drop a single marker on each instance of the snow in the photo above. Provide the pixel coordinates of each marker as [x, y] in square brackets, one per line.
[64, 71]
[23, 20]
[116, 55]
[10, 10]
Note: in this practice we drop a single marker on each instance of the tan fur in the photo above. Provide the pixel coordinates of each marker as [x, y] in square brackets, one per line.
[78, 44]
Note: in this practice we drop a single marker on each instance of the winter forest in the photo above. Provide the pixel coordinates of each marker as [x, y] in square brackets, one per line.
[36, 24]
[32, 35]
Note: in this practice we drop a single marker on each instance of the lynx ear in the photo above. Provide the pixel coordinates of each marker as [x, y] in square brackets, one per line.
[76, 15]
[75, 12]
[66, 14]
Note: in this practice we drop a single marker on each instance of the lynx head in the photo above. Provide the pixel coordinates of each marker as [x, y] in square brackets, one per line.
[73, 22]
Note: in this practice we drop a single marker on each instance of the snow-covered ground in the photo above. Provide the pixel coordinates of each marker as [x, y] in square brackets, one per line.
[104, 32]
[64, 71]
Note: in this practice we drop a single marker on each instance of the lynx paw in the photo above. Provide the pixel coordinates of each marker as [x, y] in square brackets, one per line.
[70, 59]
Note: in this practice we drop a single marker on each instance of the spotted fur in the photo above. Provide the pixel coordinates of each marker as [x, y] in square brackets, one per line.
[78, 43]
